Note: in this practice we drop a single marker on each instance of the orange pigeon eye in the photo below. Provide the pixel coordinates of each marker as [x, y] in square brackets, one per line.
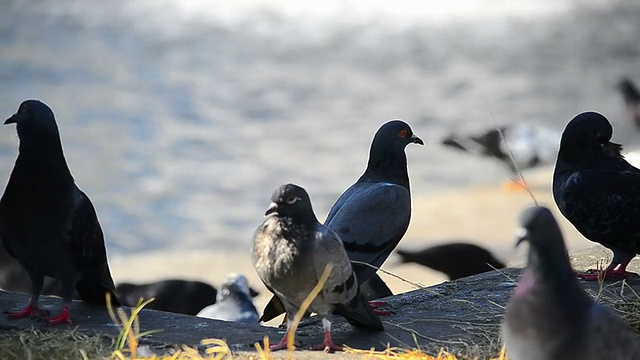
[402, 133]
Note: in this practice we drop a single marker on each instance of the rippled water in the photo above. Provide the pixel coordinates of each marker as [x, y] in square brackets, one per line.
[179, 118]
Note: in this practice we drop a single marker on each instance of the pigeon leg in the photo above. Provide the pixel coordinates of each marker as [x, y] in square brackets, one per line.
[63, 318]
[610, 273]
[328, 345]
[285, 340]
[622, 269]
[67, 296]
[30, 311]
[32, 308]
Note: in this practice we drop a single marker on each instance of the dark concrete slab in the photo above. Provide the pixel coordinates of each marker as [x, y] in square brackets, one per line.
[456, 312]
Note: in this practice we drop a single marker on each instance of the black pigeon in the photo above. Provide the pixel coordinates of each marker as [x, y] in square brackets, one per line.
[233, 302]
[291, 250]
[373, 214]
[598, 191]
[456, 260]
[15, 279]
[549, 316]
[171, 295]
[46, 222]
[631, 97]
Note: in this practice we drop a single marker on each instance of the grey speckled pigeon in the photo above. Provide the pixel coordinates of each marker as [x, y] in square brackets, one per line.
[233, 302]
[549, 317]
[291, 250]
[46, 222]
[373, 214]
[598, 191]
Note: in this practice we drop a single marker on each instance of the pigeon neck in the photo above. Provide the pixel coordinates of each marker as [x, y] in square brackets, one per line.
[580, 156]
[387, 166]
[44, 156]
[553, 269]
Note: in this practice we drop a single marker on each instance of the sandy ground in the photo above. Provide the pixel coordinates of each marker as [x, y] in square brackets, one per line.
[486, 215]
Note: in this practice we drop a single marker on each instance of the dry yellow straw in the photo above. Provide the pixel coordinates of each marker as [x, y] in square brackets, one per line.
[305, 305]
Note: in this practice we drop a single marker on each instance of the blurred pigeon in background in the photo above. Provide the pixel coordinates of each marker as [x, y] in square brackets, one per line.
[598, 191]
[233, 302]
[549, 316]
[530, 145]
[171, 295]
[291, 250]
[456, 260]
[631, 97]
[46, 222]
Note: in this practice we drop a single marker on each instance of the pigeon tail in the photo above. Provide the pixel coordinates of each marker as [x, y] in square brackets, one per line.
[92, 292]
[359, 314]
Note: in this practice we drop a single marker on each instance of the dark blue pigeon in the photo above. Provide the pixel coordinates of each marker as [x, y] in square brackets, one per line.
[46, 222]
[373, 214]
[598, 191]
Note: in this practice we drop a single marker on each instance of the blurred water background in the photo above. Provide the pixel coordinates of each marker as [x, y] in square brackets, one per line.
[180, 117]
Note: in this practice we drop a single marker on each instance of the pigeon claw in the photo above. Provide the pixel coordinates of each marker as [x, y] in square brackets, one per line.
[327, 346]
[380, 308]
[29, 311]
[63, 318]
[282, 344]
[613, 275]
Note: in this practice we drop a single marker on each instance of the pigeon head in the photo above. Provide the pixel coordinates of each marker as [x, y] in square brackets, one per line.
[234, 283]
[585, 137]
[34, 117]
[387, 159]
[292, 201]
[547, 252]
[394, 135]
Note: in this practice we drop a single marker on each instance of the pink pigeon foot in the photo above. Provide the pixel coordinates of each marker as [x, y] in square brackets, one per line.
[328, 346]
[29, 311]
[612, 275]
[63, 318]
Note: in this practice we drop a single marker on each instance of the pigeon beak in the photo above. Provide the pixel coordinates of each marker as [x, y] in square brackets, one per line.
[273, 207]
[416, 140]
[12, 120]
[521, 235]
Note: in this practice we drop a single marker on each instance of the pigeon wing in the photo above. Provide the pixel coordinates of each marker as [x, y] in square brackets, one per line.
[370, 218]
[602, 205]
[84, 242]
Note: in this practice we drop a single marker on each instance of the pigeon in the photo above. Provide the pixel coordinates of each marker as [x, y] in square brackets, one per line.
[14, 278]
[373, 214]
[233, 302]
[291, 250]
[47, 223]
[598, 191]
[456, 260]
[549, 316]
[631, 97]
[531, 146]
[171, 295]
